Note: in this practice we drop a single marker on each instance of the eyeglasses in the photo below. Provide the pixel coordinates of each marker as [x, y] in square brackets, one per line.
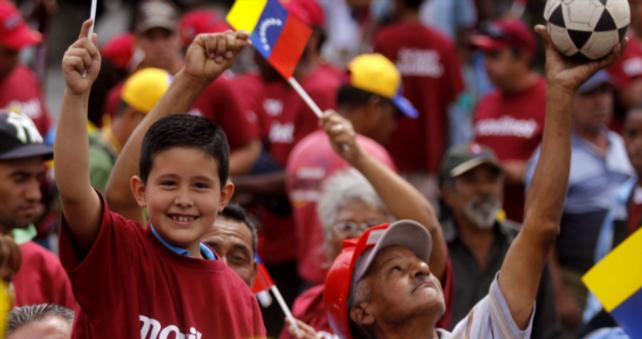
[349, 227]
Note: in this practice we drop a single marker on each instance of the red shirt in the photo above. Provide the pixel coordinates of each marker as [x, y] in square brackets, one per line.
[221, 103]
[512, 126]
[284, 119]
[313, 160]
[432, 80]
[20, 92]
[129, 285]
[41, 279]
[629, 66]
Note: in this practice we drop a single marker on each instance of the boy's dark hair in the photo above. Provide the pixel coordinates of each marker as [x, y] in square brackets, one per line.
[351, 97]
[21, 316]
[413, 4]
[184, 130]
[237, 213]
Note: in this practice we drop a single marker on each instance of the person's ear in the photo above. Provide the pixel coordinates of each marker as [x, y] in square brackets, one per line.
[362, 314]
[227, 191]
[138, 190]
[447, 193]
[253, 276]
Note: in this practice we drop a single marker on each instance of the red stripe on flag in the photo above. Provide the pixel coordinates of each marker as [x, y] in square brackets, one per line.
[289, 48]
[263, 280]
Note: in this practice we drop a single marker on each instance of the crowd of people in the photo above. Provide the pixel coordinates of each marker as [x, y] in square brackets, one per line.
[462, 178]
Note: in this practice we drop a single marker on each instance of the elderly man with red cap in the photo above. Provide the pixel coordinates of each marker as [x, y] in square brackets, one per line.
[19, 88]
[381, 286]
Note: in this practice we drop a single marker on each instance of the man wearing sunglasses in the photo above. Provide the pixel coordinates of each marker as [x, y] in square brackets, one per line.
[510, 120]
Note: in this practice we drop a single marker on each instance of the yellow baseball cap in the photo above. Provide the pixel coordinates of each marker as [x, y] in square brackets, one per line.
[144, 88]
[376, 74]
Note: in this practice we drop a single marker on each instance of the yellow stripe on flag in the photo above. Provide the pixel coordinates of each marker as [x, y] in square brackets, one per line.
[619, 275]
[245, 14]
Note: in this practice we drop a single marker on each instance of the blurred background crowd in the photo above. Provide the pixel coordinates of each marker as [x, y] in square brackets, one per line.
[472, 70]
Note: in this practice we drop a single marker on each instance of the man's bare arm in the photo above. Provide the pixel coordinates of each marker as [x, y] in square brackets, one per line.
[208, 56]
[80, 203]
[402, 200]
[522, 268]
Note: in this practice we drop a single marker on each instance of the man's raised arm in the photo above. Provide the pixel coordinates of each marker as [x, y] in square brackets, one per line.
[80, 203]
[522, 268]
[402, 200]
[207, 57]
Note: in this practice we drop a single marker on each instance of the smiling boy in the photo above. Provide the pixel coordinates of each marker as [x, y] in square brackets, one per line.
[158, 281]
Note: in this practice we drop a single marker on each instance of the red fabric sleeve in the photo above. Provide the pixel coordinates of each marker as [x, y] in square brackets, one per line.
[97, 277]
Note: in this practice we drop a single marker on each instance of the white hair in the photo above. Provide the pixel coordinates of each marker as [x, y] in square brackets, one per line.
[341, 188]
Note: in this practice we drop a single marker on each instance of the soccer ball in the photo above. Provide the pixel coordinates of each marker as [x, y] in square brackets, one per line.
[587, 29]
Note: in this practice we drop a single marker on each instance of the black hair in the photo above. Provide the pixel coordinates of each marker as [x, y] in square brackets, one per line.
[21, 316]
[184, 130]
[351, 97]
[238, 213]
[413, 4]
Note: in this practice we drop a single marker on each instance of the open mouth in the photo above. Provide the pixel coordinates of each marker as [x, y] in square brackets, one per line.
[182, 219]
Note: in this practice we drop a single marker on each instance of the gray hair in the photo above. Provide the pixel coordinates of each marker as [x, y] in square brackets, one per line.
[341, 188]
[21, 316]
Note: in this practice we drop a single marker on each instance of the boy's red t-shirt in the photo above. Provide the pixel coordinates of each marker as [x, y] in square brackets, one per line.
[129, 285]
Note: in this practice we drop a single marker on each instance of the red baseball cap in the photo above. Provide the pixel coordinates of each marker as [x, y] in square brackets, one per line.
[308, 11]
[119, 50]
[14, 32]
[200, 21]
[505, 33]
[356, 257]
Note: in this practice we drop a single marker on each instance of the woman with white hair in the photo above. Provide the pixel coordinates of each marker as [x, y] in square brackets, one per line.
[353, 200]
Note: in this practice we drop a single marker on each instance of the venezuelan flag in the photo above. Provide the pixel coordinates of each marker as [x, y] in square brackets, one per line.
[279, 36]
[617, 282]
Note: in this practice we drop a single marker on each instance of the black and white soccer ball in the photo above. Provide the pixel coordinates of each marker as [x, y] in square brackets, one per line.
[587, 29]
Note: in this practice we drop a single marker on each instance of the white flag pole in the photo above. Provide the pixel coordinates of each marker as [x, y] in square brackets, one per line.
[92, 16]
[304, 95]
[284, 307]
[90, 34]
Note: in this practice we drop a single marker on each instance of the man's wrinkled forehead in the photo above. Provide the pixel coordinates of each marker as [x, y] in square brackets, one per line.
[392, 253]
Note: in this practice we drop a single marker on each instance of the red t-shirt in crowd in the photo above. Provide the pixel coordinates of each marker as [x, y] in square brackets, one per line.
[20, 92]
[629, 66]
[512, 126]
[284, 120]
[221, 103]
[432, 80]
[312, 160]
[41, 279]
[310, 308]
[129, 285]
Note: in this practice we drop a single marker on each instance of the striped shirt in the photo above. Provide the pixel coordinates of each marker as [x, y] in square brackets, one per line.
[490, 318]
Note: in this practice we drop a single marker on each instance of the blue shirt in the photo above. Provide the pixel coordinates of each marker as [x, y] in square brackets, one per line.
[205, 251]
[594, 179]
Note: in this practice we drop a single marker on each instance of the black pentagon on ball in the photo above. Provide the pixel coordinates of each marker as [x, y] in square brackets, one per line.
[579, 38]
[604, 2]
[606, 22]
[557, 17]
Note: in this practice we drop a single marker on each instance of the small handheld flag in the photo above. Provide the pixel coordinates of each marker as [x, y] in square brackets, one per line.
[617, 282]
[263, 282]
[92, 16]
[277, 35]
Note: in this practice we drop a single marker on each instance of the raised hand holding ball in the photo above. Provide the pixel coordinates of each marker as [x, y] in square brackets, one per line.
[587, 29]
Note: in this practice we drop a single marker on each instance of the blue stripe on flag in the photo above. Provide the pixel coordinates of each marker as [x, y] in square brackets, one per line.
[628, 315]
[269, 28]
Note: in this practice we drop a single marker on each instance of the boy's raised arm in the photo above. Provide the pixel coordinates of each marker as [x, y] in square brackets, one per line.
[207, 57]
[522, 268]
[402, 200]
[80, 203]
